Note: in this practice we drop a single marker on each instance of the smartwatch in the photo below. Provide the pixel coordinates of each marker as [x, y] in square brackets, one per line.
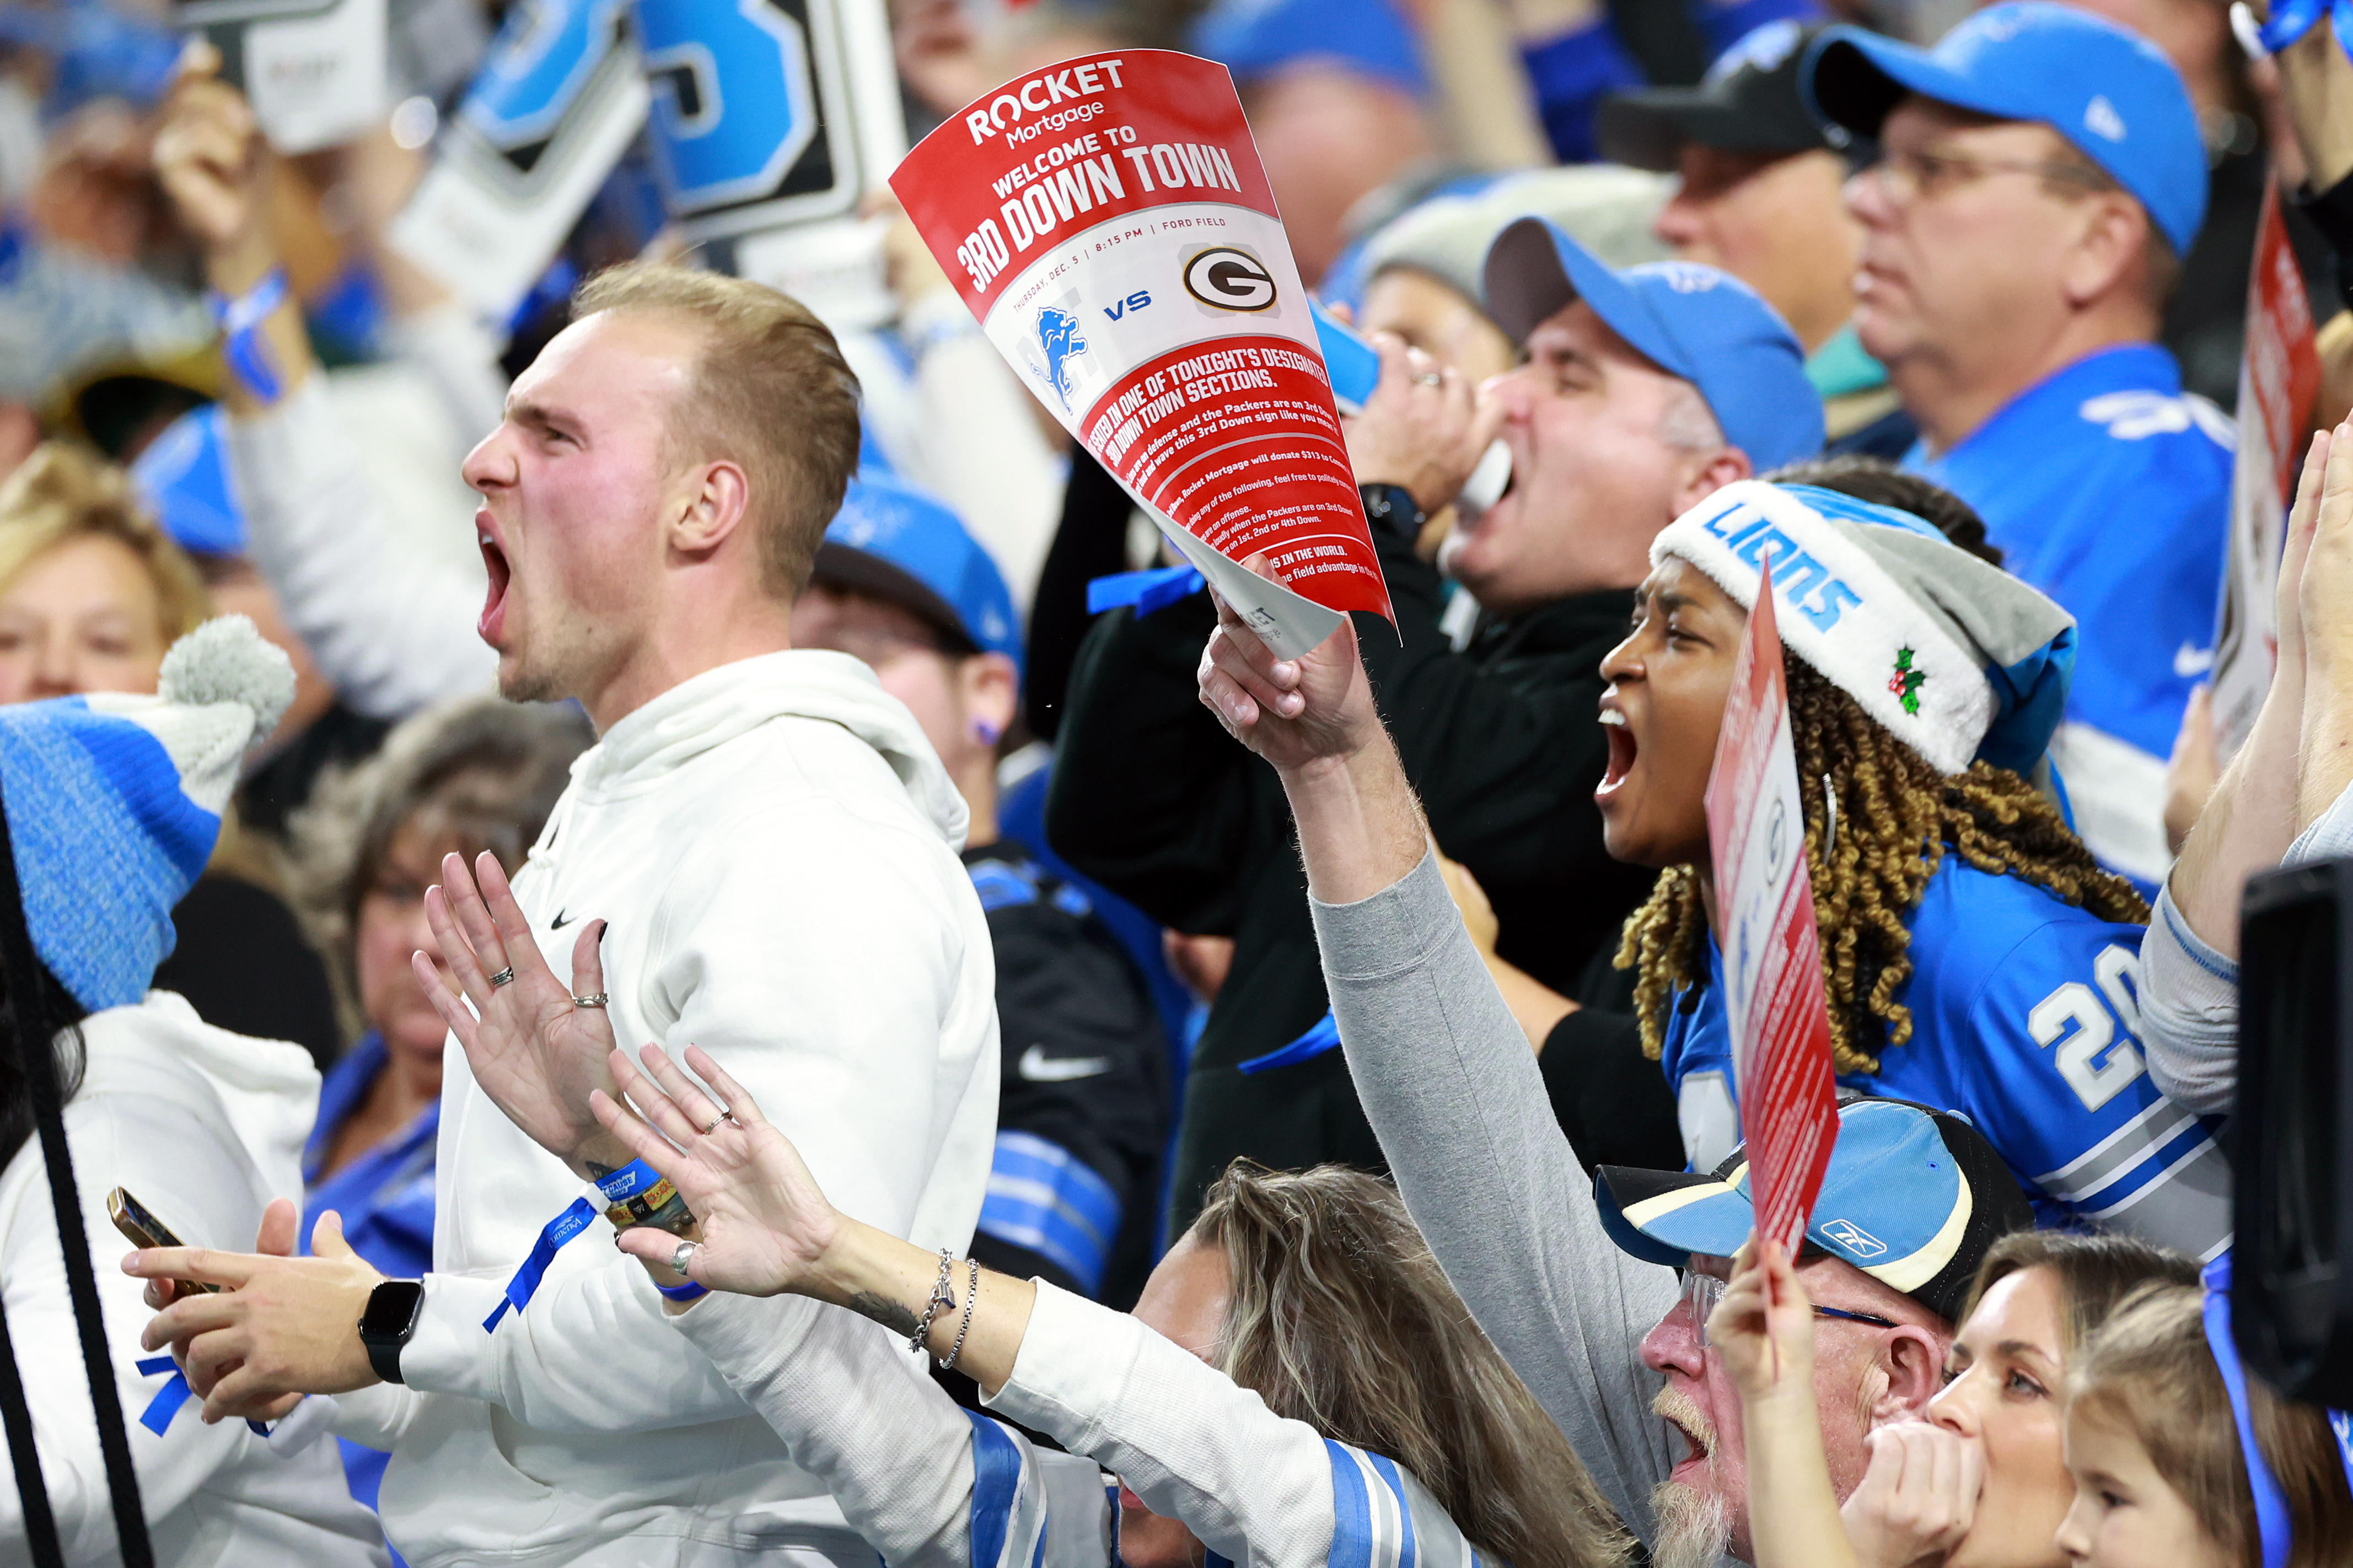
[1391, 510]
[393, 1308]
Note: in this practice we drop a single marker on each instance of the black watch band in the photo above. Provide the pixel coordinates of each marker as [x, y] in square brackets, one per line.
[393, 1308]
[1391, 510]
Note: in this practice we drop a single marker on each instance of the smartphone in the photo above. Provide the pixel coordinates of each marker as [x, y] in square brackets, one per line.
[1354, 365]
[133, 1219]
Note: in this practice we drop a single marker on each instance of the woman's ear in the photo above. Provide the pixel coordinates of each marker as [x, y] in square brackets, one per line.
[1912, 1359]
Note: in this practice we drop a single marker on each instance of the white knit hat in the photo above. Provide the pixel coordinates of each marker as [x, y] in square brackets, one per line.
[1952, 655]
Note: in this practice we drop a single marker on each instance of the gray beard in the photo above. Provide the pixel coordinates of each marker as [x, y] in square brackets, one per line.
[1694, 1528]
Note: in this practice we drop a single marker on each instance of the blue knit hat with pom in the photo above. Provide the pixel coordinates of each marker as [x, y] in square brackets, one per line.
[113, 803]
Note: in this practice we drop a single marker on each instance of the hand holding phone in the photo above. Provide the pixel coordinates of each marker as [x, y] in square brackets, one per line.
[133, 1219]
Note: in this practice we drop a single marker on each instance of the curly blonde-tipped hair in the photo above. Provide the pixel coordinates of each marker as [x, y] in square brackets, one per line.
[1339, 1317]
[1897, 816]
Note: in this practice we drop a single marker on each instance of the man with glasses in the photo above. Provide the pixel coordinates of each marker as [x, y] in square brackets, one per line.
[2040, 175]
[1912, 1200]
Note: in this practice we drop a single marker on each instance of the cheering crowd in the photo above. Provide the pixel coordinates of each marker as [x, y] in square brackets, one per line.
[1064, 1083]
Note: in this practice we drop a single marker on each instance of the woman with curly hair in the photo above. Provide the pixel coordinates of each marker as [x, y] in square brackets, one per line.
[1976, 957]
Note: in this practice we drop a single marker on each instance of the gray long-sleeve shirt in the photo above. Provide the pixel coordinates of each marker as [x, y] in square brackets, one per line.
[1454, 1094]
[2190, 991]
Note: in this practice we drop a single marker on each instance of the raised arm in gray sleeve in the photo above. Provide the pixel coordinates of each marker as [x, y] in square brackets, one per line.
[2189, 1002]
[1455, 1095]
[391, 627]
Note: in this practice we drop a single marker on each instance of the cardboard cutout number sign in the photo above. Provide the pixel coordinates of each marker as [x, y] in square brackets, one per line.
[1108, 223]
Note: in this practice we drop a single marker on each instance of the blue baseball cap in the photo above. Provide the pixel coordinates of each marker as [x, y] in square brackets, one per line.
[2110, 92]
[183, 475]
[1914, 1197]
[1258, 38]
[1697, 322]
[892, 540]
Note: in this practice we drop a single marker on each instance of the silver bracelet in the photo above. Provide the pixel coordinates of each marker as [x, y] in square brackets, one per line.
[941, 1297]
[971, 1295]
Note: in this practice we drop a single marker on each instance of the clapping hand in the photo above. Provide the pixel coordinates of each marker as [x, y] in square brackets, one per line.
[535, 1050]
[765, 1226]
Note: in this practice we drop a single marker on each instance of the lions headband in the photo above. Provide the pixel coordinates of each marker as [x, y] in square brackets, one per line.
[1953, 656]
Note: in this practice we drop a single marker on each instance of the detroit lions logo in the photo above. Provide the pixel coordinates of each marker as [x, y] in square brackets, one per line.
[1060, 340]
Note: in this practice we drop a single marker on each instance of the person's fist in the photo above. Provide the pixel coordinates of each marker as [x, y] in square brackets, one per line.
[1292, 713]
[1424, 427]
[211, 157]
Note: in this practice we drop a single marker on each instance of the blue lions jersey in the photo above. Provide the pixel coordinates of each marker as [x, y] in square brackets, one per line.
[2109, 488]
[2025, 1019]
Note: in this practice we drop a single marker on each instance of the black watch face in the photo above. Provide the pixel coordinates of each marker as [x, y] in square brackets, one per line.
[391, 1308]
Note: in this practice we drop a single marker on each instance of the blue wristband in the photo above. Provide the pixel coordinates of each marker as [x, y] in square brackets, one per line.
[2292, 19]
[243, 345]
[631, 1179]
[636, 1180]
[686, 1292]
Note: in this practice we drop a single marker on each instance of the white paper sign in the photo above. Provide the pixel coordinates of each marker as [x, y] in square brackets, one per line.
[314, 73]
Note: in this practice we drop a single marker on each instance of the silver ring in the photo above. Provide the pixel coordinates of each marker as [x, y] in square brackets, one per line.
[1429, 378]
[716, 1122]
[682, 1257]
[503, 977]
[593, 999]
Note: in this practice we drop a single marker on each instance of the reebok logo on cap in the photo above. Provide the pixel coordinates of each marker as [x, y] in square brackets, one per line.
[1851, 1237]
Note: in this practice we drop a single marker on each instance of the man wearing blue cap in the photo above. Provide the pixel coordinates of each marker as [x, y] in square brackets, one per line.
[1643, 391]
[1083, 1103]
[2041, 178]
[1911, 1202]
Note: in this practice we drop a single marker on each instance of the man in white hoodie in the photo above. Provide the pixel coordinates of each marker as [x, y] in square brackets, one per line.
[759, 856]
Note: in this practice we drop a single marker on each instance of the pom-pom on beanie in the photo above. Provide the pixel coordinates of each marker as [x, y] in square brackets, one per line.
[113, 803]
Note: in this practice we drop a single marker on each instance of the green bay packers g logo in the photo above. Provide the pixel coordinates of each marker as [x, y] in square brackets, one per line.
[1227, 277]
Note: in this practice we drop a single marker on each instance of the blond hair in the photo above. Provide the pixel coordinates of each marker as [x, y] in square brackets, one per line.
[769, 389]
[1338, 1316]
[63, 493]
[2150, 1372]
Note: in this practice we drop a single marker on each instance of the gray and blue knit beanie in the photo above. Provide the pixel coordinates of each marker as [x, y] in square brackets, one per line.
[113, 803]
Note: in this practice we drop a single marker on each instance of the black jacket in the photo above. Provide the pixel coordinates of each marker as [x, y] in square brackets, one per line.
[1082, 1104]
[1155, 801]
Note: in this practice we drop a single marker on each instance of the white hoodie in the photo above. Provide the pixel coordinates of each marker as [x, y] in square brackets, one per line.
[773, 843]
[203, 1127]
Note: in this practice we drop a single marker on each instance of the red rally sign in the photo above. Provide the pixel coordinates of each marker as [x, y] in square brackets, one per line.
[1108, 223]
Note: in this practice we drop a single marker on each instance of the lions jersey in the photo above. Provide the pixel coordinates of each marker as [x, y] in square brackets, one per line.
[2026, 1020]
[2109, 488]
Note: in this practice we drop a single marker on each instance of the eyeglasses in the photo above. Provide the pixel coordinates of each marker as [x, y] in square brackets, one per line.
[1906, 176]
[1702, 1291]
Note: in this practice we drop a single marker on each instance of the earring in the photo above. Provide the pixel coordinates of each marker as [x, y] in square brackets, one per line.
[985, 731]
